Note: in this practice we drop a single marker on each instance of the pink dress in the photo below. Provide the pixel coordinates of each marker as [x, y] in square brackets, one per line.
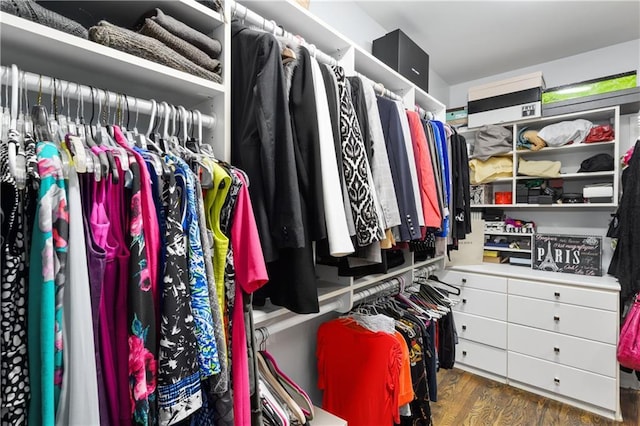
[251, 274]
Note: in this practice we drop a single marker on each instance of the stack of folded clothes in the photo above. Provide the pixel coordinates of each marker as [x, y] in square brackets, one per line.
[32, 11]
[165, 40]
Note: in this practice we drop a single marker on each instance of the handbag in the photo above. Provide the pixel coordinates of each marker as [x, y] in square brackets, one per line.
[629, 344]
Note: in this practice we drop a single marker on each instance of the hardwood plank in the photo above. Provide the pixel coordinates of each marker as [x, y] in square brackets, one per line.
[467, 399]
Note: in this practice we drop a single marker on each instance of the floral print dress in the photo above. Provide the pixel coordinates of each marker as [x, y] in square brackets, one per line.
[46, 286]
[142, 322]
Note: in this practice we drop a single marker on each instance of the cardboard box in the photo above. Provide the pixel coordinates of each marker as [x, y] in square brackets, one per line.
[506, 114]
[506, 100]
[303, 3]
[509, 85]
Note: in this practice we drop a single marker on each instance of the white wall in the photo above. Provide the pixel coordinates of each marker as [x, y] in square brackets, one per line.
[610, 60]
[352, 21]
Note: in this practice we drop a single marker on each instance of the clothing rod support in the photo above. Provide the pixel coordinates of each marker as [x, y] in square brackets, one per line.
[262, 333]
[77, 91]
[295, 320]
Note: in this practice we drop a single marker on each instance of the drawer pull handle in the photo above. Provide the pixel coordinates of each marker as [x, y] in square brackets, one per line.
[464, 353]
[464, 300]
[556, 349]
[464, 327]
[556, 318]
[556, 380]
[556, 294]
[464, 281]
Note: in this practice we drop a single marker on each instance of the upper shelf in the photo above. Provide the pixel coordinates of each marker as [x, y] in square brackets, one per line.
[585, 175]
[298, 20]
[596, 146]
[34, 47]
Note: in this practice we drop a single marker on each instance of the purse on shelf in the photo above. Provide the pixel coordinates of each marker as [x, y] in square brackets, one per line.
[629, 343]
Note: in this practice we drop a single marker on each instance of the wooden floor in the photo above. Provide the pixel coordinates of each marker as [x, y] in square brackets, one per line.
[467, 399]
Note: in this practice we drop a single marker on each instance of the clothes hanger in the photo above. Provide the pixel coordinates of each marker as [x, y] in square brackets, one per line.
[456, 290]
[102, 168]
[102, 139]
[150, 136]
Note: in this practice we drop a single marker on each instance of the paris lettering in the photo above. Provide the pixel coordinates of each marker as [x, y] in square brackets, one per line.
[567, 256]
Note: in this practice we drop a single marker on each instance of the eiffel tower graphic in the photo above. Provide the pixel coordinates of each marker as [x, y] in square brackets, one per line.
[548, 263]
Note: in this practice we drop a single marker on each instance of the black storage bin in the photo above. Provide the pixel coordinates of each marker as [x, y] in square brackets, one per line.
[398, 51]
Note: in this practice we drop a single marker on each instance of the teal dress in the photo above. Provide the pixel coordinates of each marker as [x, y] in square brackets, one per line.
[46, 286]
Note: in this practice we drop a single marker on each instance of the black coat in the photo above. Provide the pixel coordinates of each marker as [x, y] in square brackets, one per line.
[292, 278]
[624, 264]
[261, 139]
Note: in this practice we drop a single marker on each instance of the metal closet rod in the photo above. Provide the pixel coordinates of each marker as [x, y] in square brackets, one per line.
[265, 332]
[35, 82]
[245, 14]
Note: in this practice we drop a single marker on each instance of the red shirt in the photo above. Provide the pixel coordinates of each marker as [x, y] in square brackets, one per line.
[358, 372]
[424, 167]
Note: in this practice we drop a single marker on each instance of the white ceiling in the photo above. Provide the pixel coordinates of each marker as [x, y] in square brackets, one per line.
[467, 40]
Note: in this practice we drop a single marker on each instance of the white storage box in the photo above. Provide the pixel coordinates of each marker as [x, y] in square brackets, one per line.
[505, 115]
[598, 191]
[509, 85]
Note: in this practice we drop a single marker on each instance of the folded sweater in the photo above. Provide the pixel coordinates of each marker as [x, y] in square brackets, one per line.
[210, 46]
[151, 28]
[146, 47]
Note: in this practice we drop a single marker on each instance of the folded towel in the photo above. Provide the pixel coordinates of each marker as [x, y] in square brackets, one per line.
[210, 46]
[147, 48]
[32, 11]
[153, 29]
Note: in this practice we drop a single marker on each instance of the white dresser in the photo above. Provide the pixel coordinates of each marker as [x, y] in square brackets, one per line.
[549, 333]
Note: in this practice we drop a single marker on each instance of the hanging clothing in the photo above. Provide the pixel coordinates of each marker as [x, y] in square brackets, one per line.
[356, 168]
[179, 391]
[399, 163]
[292, 278]
[46, 286]
[380, 167]
[200, 305]
[424, 168]
[623, 264]
[364, 390]
[79, 404]
[17, 218]
[443, 155]
[461, 224]
[251, 274]
[262, 143]
[337, 231]
[406, 138]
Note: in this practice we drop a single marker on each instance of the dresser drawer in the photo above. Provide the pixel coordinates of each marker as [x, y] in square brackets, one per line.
[565, 294]
[481, 330]
[483, 303]
[479, 281]
[587, 355]
[593, 324]
[570, 382]
[481, 356]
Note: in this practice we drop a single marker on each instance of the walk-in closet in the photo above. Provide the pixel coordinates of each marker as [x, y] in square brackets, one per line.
[319, 212]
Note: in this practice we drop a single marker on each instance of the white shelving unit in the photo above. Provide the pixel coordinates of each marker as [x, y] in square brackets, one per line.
[569, 155]
[354, 59]
[42, 50]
